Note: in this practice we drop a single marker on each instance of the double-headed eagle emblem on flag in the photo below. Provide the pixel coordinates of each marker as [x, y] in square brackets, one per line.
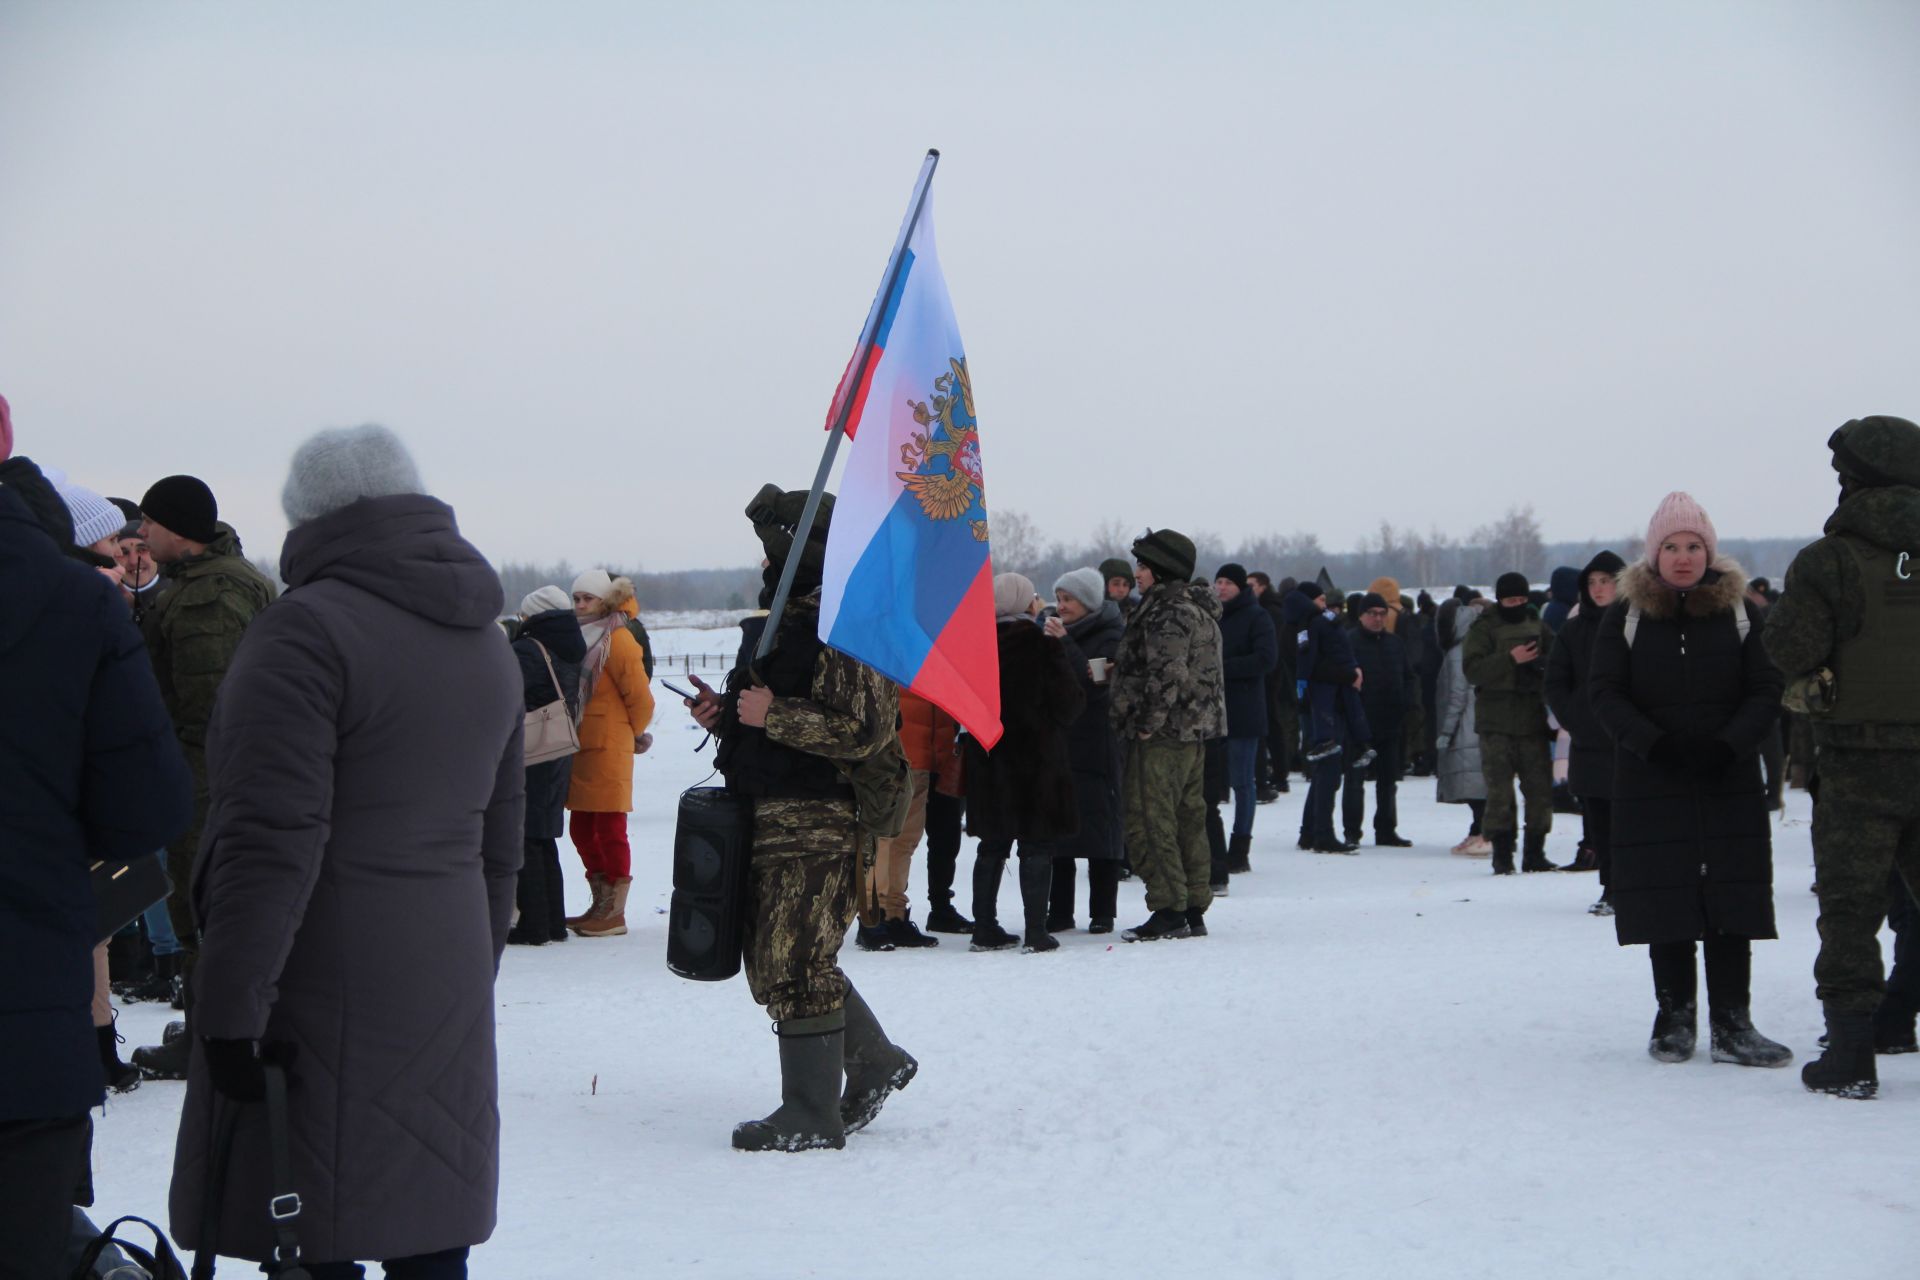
[945, 458]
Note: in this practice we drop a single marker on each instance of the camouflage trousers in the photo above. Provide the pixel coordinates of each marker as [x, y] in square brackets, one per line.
[1504, 757]
[1167, 823]
[802, 885]
[1865, 824]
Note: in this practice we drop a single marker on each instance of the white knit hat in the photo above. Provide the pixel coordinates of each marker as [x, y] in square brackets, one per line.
[338, 467]
[545, 600]
[1084, 585]
[594, 582]
[94, 517]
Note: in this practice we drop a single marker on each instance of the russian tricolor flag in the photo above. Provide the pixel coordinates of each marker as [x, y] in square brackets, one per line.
[908, 584]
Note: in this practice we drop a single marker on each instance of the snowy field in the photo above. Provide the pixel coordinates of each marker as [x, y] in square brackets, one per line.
[1391, 1065]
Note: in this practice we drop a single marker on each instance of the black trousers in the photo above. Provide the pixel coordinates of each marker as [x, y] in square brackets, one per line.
[1387, 766]
[1729, 971]
[1103, 889]
[944, 815]
[448, 1264]
[539, 892]
[44, 1172]
[1316, 819]
[1598, 815]
[1903, 917]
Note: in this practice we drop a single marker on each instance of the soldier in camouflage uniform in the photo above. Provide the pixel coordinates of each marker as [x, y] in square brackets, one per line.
[1845, 635]
[789, 726]
[192, 632]
[1169, 697]
[1504, 659]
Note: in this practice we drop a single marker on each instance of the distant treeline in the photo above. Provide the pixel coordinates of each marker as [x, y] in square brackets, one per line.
[686, 589]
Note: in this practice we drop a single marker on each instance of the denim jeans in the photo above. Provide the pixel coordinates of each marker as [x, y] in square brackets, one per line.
[1242, 753]
[160, 930]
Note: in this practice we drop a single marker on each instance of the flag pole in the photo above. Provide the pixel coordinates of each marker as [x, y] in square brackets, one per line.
[857, 376]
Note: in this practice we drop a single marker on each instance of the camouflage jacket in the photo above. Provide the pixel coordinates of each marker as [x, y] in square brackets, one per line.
[1168, 680]
[1822, 607]
[1508, 696]
[194, 628]
[851, 712]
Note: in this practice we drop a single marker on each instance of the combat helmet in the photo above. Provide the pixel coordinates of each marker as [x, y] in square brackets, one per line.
[1877, 451]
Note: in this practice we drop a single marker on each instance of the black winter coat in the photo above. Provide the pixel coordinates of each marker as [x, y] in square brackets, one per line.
[92, 771]
[559, 631]
[1389, 689]
[1023, 788]
[1569, 687]
[1093, 751]
[1249, 648]
[1691, 851]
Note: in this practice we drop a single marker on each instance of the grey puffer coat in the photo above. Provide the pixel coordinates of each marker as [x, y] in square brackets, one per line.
[1457, 776]
[354, 886]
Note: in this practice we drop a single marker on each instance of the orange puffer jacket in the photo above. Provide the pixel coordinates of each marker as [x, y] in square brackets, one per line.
[928, 734]
[620, 711]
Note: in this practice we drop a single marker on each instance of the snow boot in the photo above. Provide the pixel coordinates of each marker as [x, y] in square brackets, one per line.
[1584, 859]
[122, 1077]
[1845, 1068]
[1196, 922]
[872, 937]
[602, 894]
[1329, 845]
[989, 936]
[1893, 1028]
[1267, 794]
[1674, 1031]
[1502, 853]
[157, 985]
[1238, 849]
[1604, 907]
[612, 920]
[165, 1061]
[904, 933]
[875, 1065]
[1100, 926]
[1036, 890]
[1731, 1038]
[808, 1117]
[1161, 924]
[1392, 840]
[944, 919]
[1534, 855]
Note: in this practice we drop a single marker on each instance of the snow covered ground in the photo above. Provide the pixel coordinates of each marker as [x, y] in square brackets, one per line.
[1387, 1065]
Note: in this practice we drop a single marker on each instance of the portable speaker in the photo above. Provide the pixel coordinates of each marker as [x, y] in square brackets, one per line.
[711, 848]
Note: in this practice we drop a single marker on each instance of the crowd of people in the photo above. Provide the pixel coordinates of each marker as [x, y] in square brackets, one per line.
[358, 786]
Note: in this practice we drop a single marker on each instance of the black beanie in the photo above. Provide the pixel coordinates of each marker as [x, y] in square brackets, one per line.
[1510, 585]
[1115, 568]
[1372, 600]
[131, 527]
[182, 505]
[1236, 574]
[1309, 591]
[1169, 554]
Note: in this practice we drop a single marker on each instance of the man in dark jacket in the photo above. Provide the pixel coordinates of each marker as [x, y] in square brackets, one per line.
[93, 772]
[1389, 690]
[192, 632]
[1249, 648]
[1590, 764]
[1169, 699]
[1503, 659]
[1845, 634]
[1326, 670]
[1283, 706]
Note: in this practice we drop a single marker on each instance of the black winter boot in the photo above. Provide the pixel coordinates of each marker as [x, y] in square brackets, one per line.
[987, 933]
[156, 985]
[812, 1053]
[121, 1077]
[1165, 923]
[1238, 849]
[1534, 857]
[1196, 922]
[903, 933]
[1502, 852]
[1731, 1038]
[1845, 1068]
[875, 1066]
[944, 919]
[1675, 1029]
[166, 1060]
[1036, 892]
[1893, 1028]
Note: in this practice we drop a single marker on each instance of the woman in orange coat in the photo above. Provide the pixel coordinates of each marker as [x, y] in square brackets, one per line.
[619, 706]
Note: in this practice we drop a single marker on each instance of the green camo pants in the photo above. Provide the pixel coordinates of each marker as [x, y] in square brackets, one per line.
[801, 889]
[1503, 757]
[1167, 824]
[1866, 821]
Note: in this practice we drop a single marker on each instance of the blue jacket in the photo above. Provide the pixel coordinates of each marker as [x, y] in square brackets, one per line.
[1249, 648]
[1563, 590]
[92, 771]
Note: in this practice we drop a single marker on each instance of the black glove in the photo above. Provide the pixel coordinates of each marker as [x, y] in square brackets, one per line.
[1667, 753]
[1708, 756]
[235, 1066]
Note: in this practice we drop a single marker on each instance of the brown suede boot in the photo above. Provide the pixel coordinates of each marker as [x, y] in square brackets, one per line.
[597, 886]
[612, 922]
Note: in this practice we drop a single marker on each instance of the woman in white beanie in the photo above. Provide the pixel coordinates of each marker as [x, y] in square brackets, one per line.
[550, 649]
[1681, 683]
[619, 706]
[1089, 626]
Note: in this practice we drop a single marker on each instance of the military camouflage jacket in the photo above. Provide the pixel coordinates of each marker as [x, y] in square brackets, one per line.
[1168, 680]
[1508, 696]
[1822, 606]
[194, 628]
[851, 712]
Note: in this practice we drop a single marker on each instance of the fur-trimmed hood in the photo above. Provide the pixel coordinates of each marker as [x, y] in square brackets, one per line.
[1720, 591]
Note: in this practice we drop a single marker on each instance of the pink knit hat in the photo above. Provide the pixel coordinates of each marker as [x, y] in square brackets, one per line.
[1679, 513]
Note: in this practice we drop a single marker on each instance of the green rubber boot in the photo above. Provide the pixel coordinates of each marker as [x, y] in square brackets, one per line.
[876, 1066]
[808, 1117]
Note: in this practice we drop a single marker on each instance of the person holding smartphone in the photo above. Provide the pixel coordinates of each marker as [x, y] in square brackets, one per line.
[1502, 658]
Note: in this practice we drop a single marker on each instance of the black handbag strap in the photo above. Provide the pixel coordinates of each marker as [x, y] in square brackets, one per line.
[284, 1206]
[558, 693]
[161, 1264]
[213, 1192]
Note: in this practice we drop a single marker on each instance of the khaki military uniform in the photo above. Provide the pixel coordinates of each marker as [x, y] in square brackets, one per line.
[1510, 711]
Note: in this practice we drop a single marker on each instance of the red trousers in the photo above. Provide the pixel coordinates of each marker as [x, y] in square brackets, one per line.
[601, 839]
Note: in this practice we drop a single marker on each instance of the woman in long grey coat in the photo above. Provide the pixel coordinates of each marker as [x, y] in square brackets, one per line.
[356, 879]
[1457, 776]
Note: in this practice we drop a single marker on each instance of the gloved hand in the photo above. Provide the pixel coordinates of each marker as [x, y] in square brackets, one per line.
[235, 1066]
[1668, 753]
[1708, 756]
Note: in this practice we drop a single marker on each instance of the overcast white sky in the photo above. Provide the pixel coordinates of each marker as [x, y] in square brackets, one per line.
[1233, 267]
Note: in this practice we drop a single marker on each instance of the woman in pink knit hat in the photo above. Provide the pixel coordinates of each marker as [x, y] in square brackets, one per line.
[1681, 682]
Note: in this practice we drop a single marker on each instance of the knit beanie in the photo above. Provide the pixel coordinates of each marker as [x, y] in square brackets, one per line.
[131, 514]
[6, 430]
[1116, 568]
[1234, 573]
[1372, 600]
[545, 600]
[1510, 585]
[1013, 594]
[1170, 555]
[338, 467]
[1084, 585]
[597, 583]
[1679, 513]
[183, 505]
[94, 517]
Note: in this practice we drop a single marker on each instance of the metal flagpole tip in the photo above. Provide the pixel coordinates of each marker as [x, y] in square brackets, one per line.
[934, 152]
